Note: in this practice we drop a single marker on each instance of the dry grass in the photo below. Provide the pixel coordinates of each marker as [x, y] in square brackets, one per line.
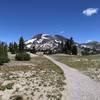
[90, 65]
[79, 62]
[44, 64]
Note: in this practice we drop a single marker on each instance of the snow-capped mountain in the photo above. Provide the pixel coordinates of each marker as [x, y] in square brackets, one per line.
[44, 41]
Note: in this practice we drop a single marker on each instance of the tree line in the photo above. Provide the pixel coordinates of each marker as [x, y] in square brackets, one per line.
[14, 48]
[67, 47]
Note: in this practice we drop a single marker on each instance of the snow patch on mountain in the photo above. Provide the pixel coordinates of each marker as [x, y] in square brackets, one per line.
[30, 41]
[29, 46]
[44, 41]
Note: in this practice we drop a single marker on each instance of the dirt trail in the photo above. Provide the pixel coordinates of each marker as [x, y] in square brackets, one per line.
[80, 87]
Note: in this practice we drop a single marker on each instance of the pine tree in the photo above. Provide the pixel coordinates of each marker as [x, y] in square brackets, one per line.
[70, 47]
[15, 47]
[62, 47]
[71, 41]
[11, 48]
[74, 50]
[65, 49]
[3, 49]
[22, 55]
[73, 47]
[21, 44]
[3, 53]
[34, 50]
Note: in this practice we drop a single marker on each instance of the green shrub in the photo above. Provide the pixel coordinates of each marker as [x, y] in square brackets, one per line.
[4, 59]
[22, 57]
[9, 86]
[16, 97]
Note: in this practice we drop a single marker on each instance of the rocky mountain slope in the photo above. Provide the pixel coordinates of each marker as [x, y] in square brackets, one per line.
[92, 44]
[44, 41]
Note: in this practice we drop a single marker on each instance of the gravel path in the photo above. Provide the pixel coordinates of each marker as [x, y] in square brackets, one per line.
[80, 87]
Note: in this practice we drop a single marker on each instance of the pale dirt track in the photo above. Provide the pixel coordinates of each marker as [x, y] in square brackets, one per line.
[79, 86]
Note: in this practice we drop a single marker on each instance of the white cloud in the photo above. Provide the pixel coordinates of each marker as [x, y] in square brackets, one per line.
[90, 11]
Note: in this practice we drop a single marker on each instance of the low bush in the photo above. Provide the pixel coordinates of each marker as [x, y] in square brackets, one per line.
[4, 59]
[8, 86]
[22, 57]
[16, 97]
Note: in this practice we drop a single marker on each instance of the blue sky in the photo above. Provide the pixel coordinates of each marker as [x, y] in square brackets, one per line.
[70, 18]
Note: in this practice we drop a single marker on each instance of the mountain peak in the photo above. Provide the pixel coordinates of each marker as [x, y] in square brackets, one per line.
[45, 41]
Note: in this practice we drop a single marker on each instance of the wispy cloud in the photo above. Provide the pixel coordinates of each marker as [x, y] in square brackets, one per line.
[62, 32]
[90, 11]
[89, 40]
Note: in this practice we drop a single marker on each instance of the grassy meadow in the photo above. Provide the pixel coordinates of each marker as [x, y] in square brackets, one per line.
[90, 64]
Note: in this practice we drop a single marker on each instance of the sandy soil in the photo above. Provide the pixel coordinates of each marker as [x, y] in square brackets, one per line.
[28, 81]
